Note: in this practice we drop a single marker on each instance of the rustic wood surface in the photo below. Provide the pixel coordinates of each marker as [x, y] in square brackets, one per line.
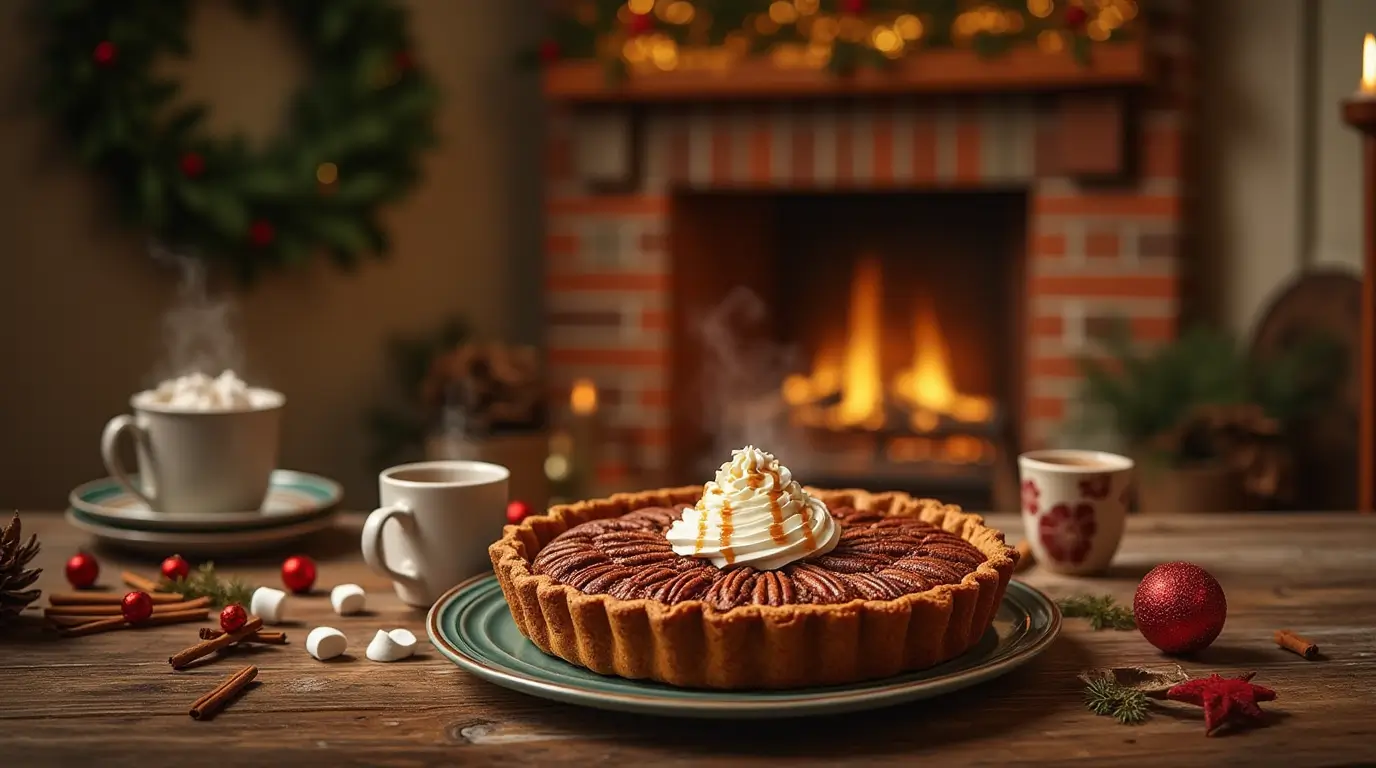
[111, 699]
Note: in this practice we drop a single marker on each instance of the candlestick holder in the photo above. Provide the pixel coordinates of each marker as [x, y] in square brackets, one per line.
[1360, 112]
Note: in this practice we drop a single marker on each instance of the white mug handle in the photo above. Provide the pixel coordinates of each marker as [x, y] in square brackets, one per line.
[373, 551]
[109, 451]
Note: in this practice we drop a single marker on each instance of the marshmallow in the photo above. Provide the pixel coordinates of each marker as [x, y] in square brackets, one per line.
[199, 392]
[325, 643]
[268, 604]
[392, 646]
[347, 599]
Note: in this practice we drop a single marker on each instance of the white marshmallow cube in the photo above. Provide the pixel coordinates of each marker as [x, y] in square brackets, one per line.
[348, 599]
[268, 604]
[325, 643]
[391, 646]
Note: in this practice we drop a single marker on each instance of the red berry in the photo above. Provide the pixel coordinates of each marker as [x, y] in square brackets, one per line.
[82, 570]
[549, 51]
[640, 23]
[1076, 16]
[298, 573]
[105, 53]
[192, 164]
[233, 617]
[136, 607]
[175, 568]
[517, 511]
[261, 232]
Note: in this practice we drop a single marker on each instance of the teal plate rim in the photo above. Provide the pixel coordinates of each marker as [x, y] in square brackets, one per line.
[1034, 619]
[324, 494]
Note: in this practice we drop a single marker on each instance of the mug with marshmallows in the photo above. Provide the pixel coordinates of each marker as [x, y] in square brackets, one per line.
[435, 524]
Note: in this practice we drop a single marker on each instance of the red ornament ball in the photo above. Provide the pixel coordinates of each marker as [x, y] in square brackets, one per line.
[853, 6]
[640, 23]
[298, 573]
[1076, 17]
[517, 511]
[192, 164]
[82, 570]
[136, 607]
[261, 232]
[105, 53]
[175, 568]
[549, 51]
[233, 617]
[1180, 607]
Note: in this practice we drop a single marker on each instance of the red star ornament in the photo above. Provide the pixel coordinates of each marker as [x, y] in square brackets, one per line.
[1224, 699]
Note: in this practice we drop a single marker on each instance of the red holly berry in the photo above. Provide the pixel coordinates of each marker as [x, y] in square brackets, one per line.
[136, 607]
[1224, 699]
[853, 7]
[517, 511]
[1067, 534]
[261, 232]
[298, 573]
[404, 61]
[175, 568]
[233, 617]
[82, 570]
[549, 51]
[1076, 17]
[640, 23]
[192, 164]
[105, 53]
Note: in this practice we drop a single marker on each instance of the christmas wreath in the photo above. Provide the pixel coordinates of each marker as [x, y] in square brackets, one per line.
[352, 142]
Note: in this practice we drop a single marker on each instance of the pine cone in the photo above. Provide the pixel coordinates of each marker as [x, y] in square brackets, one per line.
[15, 575]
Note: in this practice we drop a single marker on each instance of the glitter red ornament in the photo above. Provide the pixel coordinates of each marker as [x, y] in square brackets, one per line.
[233, 617]
[136, 607]
[105, 53]
[192, 164]
[82, 570]
[517, 511]
[175, 568]
[1180, 607]
[1076, 17]
[261, 233]
[298, 573]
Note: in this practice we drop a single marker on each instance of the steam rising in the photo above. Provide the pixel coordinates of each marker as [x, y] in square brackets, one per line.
[198, 333]
[742, 369]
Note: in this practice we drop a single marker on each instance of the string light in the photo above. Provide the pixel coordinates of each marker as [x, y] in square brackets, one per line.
[783, 12]
[327, 173]
[640, 7]
[908, 26]
[1040, 8]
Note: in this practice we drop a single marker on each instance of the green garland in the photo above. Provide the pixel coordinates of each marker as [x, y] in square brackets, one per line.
[354, 135]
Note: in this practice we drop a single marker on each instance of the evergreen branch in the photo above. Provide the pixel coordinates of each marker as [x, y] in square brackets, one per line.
[206, 583]
[1105, 697]
[1102, 611]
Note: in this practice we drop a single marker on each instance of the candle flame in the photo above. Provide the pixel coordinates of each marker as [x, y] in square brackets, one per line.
[583, 398]
[1369, 64]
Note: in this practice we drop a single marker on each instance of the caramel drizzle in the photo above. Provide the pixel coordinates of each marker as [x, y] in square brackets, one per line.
[702, 529]
[776, 529]
[726, 529]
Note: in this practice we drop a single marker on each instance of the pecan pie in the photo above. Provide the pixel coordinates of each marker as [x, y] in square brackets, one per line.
[901, 584]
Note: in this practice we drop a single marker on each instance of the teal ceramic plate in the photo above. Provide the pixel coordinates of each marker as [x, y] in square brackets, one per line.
[472, 626]
[215, 542]
[293, 498]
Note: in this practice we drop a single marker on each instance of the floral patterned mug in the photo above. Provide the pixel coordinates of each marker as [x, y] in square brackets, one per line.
[1074, 504]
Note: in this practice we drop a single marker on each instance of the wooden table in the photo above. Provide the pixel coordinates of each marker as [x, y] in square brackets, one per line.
[112, 699]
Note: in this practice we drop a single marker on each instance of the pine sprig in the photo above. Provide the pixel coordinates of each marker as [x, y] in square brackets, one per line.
[1105, 697]
[1102, 611]
[205, 582]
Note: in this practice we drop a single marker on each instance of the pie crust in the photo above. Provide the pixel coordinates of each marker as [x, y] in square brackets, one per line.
[692, 644]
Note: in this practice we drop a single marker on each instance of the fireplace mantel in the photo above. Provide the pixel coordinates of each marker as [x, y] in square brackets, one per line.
[1020, 70]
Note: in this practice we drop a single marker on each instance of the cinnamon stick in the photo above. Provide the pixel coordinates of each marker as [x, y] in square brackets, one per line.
[115, 610]
[207, 647]
[96, 625]
[1025, 557]
[138, 582]
[270, 638]
[1296, 644]
[206, 706]
[107, 598]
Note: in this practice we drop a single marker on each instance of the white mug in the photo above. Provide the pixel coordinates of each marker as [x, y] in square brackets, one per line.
[198, 461]
[443, 516]
[1074, 507]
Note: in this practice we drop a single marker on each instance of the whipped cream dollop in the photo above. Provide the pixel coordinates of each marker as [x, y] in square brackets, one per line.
[754, 513]
[199, 392]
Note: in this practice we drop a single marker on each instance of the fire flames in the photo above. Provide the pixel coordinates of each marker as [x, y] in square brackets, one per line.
[847, 388]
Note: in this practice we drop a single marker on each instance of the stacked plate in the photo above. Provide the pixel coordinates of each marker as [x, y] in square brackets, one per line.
[297, 505]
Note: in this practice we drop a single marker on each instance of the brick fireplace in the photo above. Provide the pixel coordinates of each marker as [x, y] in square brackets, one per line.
[657, 207]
